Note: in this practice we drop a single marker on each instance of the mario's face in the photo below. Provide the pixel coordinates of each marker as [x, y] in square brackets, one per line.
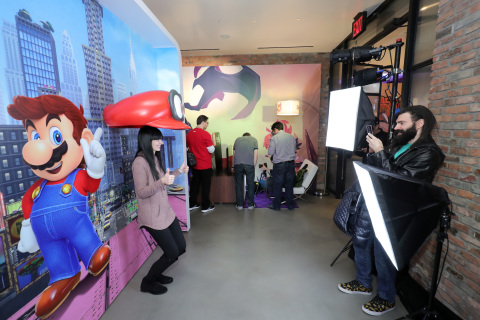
[51, 150]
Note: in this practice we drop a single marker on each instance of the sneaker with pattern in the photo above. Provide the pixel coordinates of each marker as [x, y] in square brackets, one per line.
[354, 287]
[377, 306]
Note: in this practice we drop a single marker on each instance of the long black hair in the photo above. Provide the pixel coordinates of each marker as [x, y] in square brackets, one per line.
[429, 121]
[146, 135]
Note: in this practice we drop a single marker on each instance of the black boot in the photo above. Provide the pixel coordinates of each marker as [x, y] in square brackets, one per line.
[164, 279]
[152, 287]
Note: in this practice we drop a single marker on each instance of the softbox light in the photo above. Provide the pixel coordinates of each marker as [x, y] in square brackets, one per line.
[404, 211]
[349, 112]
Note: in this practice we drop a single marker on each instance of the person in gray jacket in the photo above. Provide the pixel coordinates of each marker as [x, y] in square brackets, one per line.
[283, 148]
[154, 211]
[245, 155]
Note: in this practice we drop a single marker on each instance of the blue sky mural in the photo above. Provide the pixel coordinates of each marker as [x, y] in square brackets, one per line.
[117, 41]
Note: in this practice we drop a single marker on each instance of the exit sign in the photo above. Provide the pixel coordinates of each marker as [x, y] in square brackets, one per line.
[359, 24]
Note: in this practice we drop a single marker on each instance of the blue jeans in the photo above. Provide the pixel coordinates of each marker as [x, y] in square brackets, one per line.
[248, 170]
[283, 177]
[386, 272]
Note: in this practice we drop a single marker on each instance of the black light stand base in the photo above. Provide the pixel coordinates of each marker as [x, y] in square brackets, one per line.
[427, 314]
[427, 311]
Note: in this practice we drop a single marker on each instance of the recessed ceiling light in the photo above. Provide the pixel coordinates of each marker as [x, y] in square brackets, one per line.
[254, 20]
[298, 19]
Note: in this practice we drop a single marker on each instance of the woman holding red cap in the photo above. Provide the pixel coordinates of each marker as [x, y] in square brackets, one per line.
[154, 211]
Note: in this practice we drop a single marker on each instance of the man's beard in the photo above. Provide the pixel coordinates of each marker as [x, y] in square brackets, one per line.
[402, 137]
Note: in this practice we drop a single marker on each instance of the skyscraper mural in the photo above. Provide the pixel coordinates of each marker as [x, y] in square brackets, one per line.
[13, 65]
[70, 87]
[98, 65]
[93, 47]
[100, 89]
[133, 73]
[122, 91]
[38, 55]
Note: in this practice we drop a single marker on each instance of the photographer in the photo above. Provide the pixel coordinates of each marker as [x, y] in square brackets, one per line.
[412, 153]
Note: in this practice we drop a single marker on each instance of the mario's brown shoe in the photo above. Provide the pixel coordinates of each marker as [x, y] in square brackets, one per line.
[99, 260]
[54, 295]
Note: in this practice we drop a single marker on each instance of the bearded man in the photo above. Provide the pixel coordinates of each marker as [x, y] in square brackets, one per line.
[413, 153]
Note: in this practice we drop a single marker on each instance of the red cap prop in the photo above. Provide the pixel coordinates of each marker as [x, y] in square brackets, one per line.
[160, 109]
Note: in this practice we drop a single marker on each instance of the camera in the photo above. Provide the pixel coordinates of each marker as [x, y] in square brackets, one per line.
[369, 129]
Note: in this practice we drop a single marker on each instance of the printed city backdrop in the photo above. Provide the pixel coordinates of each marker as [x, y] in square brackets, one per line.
[80, 50]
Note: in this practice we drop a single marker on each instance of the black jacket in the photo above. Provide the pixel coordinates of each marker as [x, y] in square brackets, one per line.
[421, 161]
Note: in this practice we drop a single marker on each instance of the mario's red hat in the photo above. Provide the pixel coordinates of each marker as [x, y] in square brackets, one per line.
[160, 109]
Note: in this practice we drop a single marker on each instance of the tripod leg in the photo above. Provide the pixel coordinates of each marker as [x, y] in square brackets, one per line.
[346, 248]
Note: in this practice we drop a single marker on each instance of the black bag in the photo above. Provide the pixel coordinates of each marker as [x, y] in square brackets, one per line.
[345, 216]
[191, 161]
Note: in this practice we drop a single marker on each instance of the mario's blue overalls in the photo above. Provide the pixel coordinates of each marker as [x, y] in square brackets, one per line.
[63, 228]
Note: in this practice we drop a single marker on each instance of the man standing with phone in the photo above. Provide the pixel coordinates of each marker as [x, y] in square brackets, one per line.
[282, 149]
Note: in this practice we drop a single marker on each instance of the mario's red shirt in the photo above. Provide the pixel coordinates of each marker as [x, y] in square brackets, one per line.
[84, 184]
[198, 140]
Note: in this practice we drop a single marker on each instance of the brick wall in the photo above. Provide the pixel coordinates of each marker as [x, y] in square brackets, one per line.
[454, 99]
[284, 58]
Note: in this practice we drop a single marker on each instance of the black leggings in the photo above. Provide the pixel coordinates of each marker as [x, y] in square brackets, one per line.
[172, 242]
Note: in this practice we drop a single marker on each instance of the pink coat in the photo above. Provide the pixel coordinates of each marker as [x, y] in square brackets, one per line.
[154, 210]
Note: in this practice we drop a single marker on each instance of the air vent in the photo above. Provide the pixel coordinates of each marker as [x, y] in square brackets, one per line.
[294, 47]
[200, 50]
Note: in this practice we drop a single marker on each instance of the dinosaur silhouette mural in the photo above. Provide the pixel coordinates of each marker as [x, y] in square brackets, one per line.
[215, 84]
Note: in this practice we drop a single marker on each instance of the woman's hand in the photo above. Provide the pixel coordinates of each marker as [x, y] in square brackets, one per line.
[374, 143]
[183, 168]
[168, 178]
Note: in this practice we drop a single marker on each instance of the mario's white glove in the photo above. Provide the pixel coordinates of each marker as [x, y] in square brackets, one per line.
[28, 241]
[94, 155]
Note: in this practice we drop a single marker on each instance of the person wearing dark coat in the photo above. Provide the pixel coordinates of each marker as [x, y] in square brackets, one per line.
[412, 153]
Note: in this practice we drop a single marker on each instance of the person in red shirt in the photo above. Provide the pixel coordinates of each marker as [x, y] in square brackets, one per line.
[200, 143]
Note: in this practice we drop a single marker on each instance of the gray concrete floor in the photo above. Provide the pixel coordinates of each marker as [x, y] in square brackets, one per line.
[260, 264]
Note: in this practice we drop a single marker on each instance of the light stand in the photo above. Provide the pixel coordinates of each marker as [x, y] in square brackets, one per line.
[428, 311]
[366, 53]
[395, 71]
[347, 247]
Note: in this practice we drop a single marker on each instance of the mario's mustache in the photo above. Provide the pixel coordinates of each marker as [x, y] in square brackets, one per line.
[56, 156]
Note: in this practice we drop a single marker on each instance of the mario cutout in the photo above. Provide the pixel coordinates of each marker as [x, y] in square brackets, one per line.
[69, 160]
